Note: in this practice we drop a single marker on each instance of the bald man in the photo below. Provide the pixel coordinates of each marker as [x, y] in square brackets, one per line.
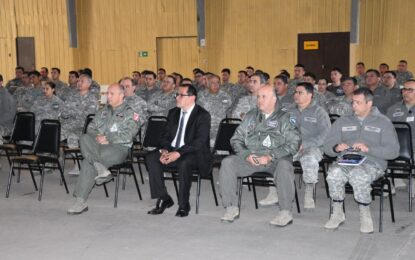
[265, 141]
[107, 142]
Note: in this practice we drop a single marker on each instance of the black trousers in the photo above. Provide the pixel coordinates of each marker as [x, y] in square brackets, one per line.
[184, 166]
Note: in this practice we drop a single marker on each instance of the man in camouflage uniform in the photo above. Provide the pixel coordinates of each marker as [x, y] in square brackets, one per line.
[322, 90]
[59, 85]
[343, 105]
[138, 104]
[393, 94]
[20, 91]
[72, 87]
[8, 111]
[161, 75]
[285, 100]
[94, 88]
[15, 83]
[32, 93]
[109, 138]
[247, 103]
[361, 75]
[404, 111]
[44, 74]
[366, 132]
[402, 73]
[146, 92]
[216, 102]
[265, 141]
[313, 123]
[317, 98]
[48, 106]
[381, 97]
[299, 71]
[77, 108]
[162, 100]
[335, 86]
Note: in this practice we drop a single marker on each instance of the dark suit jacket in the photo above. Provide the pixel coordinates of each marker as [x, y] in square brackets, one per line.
[196, 137]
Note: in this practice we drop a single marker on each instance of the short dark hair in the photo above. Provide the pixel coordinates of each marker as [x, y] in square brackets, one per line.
[299, 65]
[266, 76]
[1, 77]
[51, 84]
[191, 90]
[161, 69]
[360, 63]
[57, 69]
[172, 77]
[353, 79]
[310, 74]
[391, 72]
[46, 69]
[336, 69]
[286, 73]
[307, 86]
[249, 68]
[35, 73]
[325, 79]
[152, 74]
[19, 68]
[384, 64]
[403, 61]
[87, 71]
[195, 70]
[282, 77]
[137, 72]
[374, 71]
[243, 72]
[365, 92]
[226, 70]
[261, 76]
[409, 80]
[72, 72]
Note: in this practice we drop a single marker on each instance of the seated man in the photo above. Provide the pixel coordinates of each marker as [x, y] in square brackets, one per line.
[184, 146]
[109, 138]
[264, 142]
[8, 111]
[368, 133]
[314, 124]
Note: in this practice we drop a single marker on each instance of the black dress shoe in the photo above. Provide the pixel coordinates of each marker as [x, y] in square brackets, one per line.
[183, 212]
[161, 205]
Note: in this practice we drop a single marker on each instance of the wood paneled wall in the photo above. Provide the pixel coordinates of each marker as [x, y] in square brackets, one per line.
[386, 33]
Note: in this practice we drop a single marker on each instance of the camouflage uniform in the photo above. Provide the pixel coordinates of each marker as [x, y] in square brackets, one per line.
[328, 95]
[160, 103]
[285, 102]
[361, 80]
[95, 89]
[314, 125]
[67, 92]
[77, 108]
[119, 126]
[378, 133]
[13, 85]
[235, 91]
[340, 106]
[47, 108]
[292, 84]
[381, 98]
[146, 93]
[393, 95]
[216, 105]
[29, 97]
[139, 106]
[401, 77]
[60, 87]
[336, 90]
[274, 136]
[8, 111]
[245, 104]
[401, 113]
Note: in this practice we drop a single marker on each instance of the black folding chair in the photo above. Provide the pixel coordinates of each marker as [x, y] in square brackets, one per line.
[46, 150]
[403, 166]
[226, 130]
[154, 131]
[125, 168]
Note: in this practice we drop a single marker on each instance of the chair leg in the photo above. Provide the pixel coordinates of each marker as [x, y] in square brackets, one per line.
[124, 180]
[240, 193]
[106, 190]
[296, 198]
[175, 185]
[117, 183]
[18, 173]
[136, 182]
[212, 183]
[198, 193]
[410, 191]
[33, 178]
[381, 206]
[42, 177]
[141, 171]
[9, 182]
[63, 177]
[254, 192]
[391, 202]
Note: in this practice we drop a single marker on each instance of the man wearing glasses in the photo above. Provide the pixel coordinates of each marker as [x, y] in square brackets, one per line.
[184, 146]
[404, 111]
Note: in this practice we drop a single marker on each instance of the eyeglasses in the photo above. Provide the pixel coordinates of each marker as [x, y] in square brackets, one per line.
[409, 90]
[182, 95]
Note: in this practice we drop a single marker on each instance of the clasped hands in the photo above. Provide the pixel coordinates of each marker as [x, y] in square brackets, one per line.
[101, 139]
[357, 146]
[256, 160]
[167, 157]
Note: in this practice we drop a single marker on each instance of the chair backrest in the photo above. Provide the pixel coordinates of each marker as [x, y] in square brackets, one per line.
[24, 127]
[48, 138]
[403, 130]
[154, 130]
[333, 117]
[88, 120]
[226, 130]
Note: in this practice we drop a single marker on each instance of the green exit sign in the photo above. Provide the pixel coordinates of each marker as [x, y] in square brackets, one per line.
[143, 54]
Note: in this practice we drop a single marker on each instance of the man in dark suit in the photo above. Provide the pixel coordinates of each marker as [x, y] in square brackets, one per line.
[184, 146]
